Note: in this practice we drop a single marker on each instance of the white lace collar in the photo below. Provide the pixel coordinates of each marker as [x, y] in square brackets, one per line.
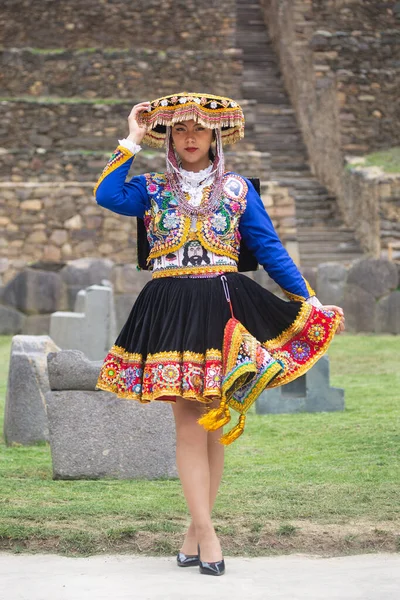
[194, 179]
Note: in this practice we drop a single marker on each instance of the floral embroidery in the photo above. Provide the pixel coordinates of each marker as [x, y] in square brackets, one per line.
[300, 350]
[171, 221]
[316, 333]
[218, 221]
[153, 188]
[110, 370]
[168, 229]
[163, 375]
[195, 376]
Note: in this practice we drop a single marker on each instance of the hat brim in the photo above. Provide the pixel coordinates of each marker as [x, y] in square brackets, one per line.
[213, 112]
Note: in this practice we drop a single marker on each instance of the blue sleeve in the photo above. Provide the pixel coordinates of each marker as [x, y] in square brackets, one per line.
[259, 234]
[128, 198]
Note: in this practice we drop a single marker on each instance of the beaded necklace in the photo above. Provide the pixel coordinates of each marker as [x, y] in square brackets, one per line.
[211, 199]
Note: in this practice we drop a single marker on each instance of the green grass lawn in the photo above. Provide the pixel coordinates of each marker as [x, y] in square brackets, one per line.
[326, 483]
[388, 160]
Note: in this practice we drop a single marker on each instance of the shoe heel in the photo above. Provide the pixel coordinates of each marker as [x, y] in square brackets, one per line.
[211, 568]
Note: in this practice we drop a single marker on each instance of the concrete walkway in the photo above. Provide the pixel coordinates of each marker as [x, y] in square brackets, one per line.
[295, 577]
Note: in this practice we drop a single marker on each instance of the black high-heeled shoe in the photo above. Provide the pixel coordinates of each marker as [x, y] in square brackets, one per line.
[211, 568]
[187, 560]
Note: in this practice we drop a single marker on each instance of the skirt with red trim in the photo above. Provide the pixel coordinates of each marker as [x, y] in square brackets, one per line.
[172, 342]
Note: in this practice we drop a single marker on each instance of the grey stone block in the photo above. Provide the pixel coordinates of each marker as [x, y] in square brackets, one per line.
[376, 276]
[129, 280]
[72, 370]
[11, 320]
[359, 309]
[263, 279]
[310, 273]
[123, 307]
[36, 325]
[72, 293]
[92, 328]
[25, 420]
[387, 318]
[331, 279]
[96, 434]
[36, 292]
[309, 393]
[84, 272]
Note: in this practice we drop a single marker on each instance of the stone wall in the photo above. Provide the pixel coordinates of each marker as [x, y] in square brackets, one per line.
[119, 73]
[41, 165]
[368, 290]
[82, 125]
[343, 82]
[56, 220]
[118, 24]
[372, 201]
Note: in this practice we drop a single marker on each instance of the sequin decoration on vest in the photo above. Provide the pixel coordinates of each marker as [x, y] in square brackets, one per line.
[168, 229]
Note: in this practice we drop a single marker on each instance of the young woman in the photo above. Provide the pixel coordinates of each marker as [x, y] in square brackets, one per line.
[198, 219]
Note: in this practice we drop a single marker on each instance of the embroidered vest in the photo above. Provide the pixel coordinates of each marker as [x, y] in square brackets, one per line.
[168, 228]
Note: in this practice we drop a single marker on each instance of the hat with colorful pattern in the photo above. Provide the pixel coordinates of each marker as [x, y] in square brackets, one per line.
[214, 112]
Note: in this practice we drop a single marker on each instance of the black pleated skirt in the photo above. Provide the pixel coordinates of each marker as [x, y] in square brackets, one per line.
[172, 342]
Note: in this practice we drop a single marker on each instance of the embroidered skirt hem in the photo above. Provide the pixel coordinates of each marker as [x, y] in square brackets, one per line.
[172, 342]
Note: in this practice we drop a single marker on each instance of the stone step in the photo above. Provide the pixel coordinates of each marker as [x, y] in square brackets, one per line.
[340, 248]
[321, 235]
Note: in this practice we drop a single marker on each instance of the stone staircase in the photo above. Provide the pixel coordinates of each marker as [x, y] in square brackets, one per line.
[55, 140]
[321, 233]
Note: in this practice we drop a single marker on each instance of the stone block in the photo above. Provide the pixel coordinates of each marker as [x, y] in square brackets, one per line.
[36, 325]
[309, 393]
[11, 320]
[34, 291]
[263, 279]
[91, 328]
[87, 271]
[387, 317]
[331, 279]
[310, 273]
[359, 308]
[25, 420]
[96, 434]
[129, 279]
[123, 307]
[72, 370]
[374, 275]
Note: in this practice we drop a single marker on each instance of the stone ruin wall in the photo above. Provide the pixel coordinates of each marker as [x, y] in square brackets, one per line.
[132, 74]
[64, 111]
[372, 200]
[340, 62]
[98, 23]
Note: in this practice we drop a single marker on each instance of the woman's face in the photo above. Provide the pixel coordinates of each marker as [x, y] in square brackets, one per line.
[192, 142]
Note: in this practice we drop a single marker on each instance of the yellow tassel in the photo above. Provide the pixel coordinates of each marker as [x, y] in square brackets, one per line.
[234, 433]
[215, 418]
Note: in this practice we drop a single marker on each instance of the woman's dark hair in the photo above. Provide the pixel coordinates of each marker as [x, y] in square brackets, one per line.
[210, 152]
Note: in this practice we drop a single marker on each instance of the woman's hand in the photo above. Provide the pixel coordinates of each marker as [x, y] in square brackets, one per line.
[136, 131]
[341, 313]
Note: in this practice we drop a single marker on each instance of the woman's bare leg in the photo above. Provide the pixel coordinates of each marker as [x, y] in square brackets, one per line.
[215, 463]
[199, 486]
[216, 467]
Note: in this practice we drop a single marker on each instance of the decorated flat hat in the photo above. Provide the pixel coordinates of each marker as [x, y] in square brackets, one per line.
[214, 112]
